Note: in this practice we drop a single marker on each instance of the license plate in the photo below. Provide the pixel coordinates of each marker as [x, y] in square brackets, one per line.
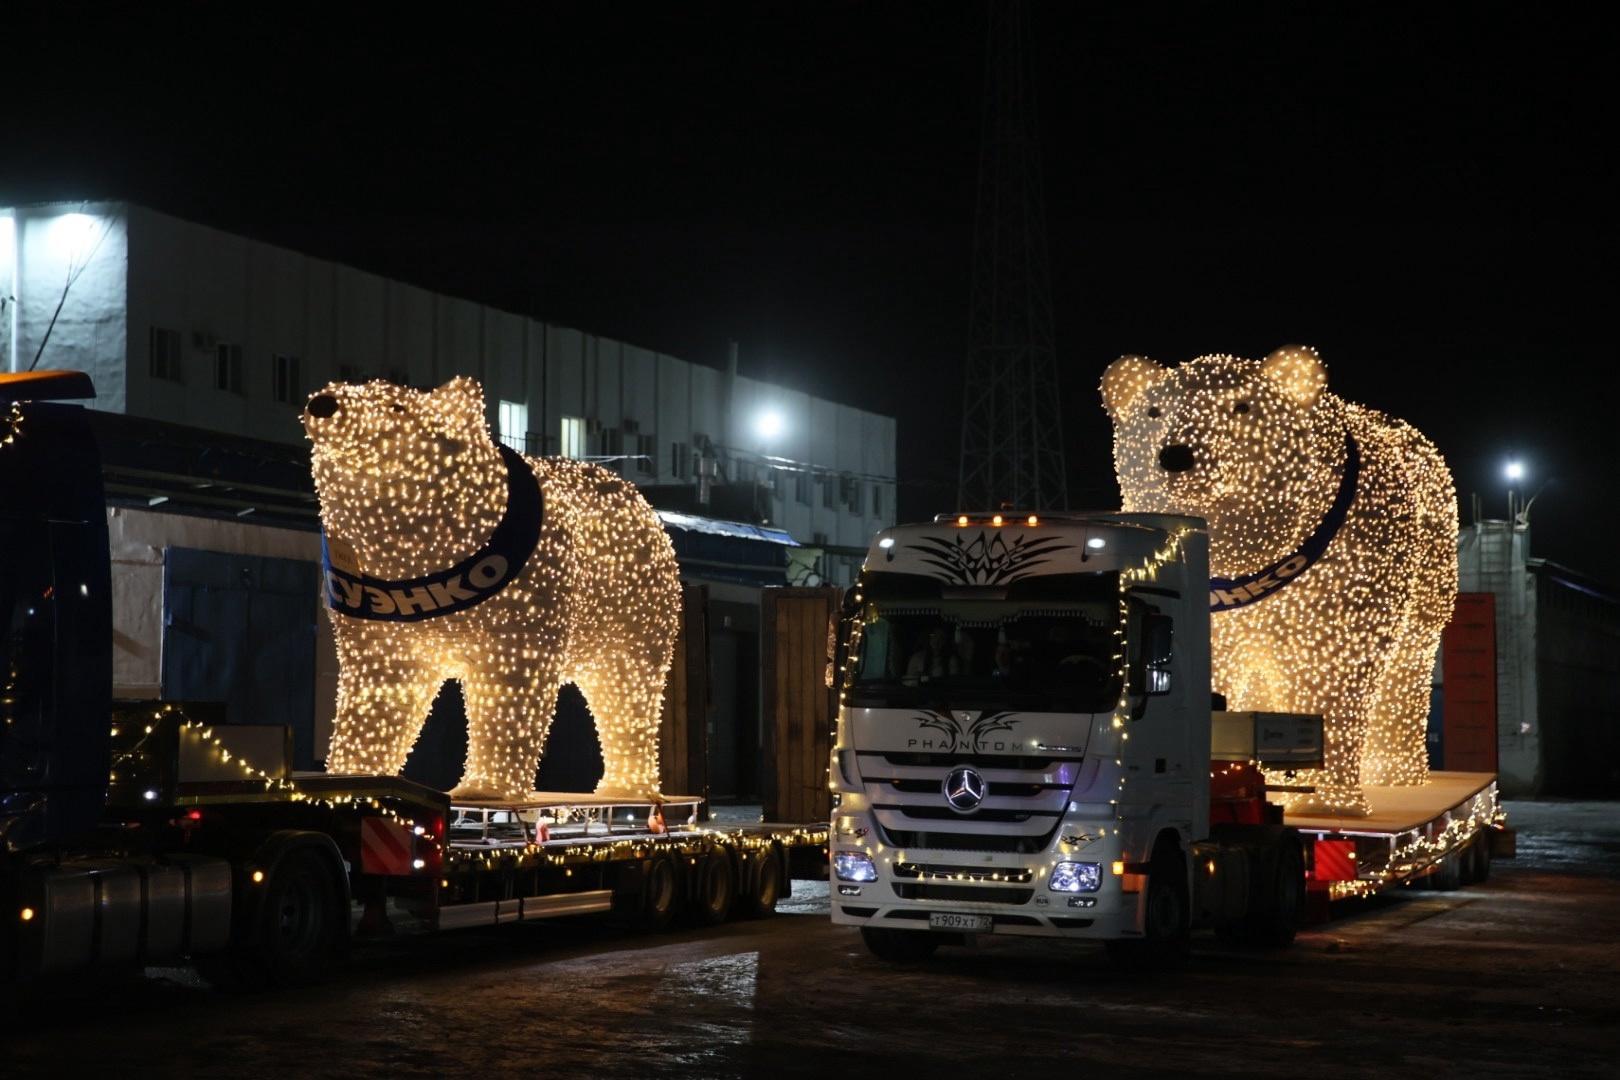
[977, 923]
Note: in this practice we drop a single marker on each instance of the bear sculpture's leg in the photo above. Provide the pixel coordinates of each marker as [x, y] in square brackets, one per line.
[626, 699]
[1397, 750]
[508, 716]
[383, 700]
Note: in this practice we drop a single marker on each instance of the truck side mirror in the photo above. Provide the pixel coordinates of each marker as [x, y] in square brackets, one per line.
[1150, 669]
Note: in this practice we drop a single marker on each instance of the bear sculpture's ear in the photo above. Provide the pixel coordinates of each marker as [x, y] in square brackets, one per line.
[465, 394]
[1298, 372]
[1125, 380]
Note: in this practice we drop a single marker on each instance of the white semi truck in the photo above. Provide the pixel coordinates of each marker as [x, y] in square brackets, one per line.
[1027, 743]
[1024, 743]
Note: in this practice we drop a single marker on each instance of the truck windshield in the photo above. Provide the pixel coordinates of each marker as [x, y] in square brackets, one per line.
[1046, 644]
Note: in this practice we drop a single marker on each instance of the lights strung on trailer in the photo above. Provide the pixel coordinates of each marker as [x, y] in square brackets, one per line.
[1033, 520]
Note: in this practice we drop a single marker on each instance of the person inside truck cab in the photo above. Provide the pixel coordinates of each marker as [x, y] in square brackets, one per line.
[936, 659]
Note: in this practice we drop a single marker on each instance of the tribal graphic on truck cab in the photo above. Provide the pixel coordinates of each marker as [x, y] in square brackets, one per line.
[987, 559]
[964, 733]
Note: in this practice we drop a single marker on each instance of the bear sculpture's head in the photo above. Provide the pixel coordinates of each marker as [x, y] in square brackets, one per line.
[412, 475]
[1250, 446]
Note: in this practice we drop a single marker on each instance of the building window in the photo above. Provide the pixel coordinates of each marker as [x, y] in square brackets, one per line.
[228, 368]
[647, 455]
[877, 500]
[849, 493]
[349, 373]
[680, 460]
[513, 419]
[163, 354]
[572, 443]
[827, 491]
[801, 488]
[285, 386]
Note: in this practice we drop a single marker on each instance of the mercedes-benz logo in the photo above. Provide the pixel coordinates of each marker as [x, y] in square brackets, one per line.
[964, 789]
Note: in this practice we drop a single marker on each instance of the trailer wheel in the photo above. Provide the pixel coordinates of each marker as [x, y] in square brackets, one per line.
[1166, 941]
[660, 894]
[1447, 873]
[1482, 857]
[900, 946]
[296, 935]
[716, 889]
[764, 885]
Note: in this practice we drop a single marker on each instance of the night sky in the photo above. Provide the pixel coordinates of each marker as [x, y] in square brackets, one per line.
[1421, 197]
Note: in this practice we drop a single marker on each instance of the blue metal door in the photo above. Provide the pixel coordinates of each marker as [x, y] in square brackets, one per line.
[240, 629]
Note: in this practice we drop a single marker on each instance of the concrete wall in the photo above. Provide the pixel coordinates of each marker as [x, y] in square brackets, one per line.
[138, 538]
[67, 262]
[1491, 557]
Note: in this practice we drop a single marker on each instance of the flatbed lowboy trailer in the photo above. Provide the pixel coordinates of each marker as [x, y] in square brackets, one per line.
[1442, 833]
[136, 833]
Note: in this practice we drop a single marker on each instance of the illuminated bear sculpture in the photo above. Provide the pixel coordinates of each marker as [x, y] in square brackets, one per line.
[449, 556]
[1333, 547]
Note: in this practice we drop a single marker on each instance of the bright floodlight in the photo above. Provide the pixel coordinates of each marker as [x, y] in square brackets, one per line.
[768, 424]
[1514, 470]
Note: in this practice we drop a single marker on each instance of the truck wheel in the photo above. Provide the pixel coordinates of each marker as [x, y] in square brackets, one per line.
[660, 894]
[1166, 941]
[764, 886]
[297, 933]
[1280, 898]
[900, 946]
[716, 889]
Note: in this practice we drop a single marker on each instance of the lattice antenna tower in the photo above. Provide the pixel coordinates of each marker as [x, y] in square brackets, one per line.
[1012, 426]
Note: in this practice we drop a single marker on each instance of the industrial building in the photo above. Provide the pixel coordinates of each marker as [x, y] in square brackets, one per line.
[1536, 647]
[204, 345]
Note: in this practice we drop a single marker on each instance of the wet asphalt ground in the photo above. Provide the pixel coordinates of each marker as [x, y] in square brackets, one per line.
[1517, 977]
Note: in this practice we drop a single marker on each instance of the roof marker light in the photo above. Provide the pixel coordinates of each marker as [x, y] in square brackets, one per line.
[1096, 543]
[1033, 520]
[961, 519]
[886, 542]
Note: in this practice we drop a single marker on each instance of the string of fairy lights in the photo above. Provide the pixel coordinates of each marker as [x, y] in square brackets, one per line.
[1353, 637]
[11, 424]
[560, 854]
[412, 483]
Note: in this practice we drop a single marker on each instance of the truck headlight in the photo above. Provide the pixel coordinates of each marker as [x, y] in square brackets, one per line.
[854, 866]
[1076, 877]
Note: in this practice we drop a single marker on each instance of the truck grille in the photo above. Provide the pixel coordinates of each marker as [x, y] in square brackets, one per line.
[950, 841]
[970, 894]
[1024, 800]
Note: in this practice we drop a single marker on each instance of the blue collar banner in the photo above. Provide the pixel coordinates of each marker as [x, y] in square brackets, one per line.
[468, 583]
[1228, 593]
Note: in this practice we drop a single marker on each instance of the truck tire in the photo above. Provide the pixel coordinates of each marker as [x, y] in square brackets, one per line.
[716, 890]
[1278, 901]
[900, 946]
[1166, 941]
[764, 885]
[660, 894]
[296, 935]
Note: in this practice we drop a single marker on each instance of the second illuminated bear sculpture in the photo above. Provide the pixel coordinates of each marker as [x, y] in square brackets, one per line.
[1333, 546]
[449, 556]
